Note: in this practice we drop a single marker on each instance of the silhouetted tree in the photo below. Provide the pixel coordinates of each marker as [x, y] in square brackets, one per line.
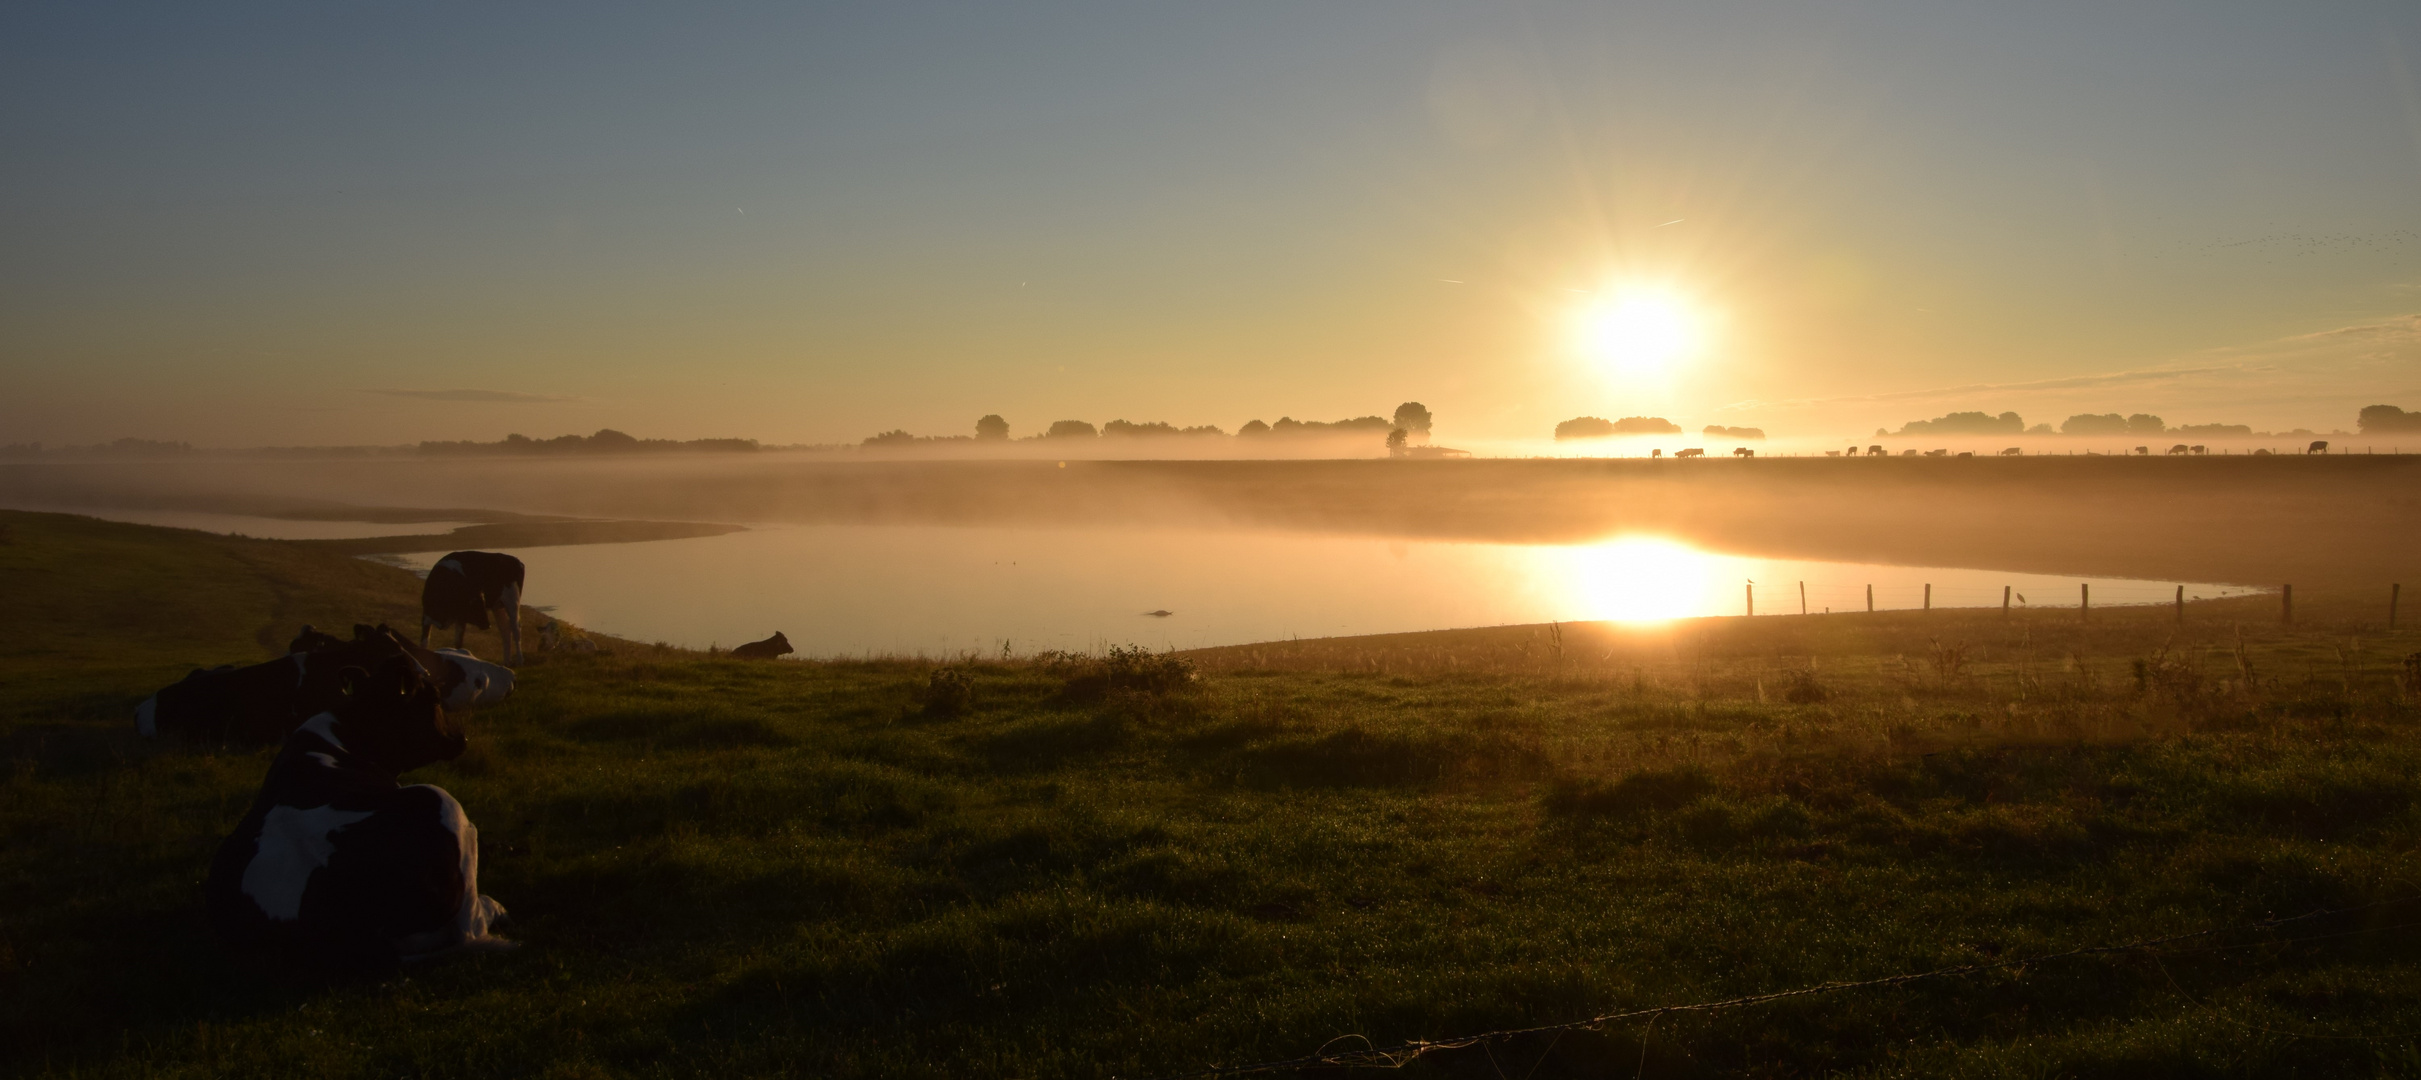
[992, 428]
[1412, 418]
[2386, 419]
[1585, 427]
[1072, 429]
[1395, 442]
[2145, 424]
[1253, 427]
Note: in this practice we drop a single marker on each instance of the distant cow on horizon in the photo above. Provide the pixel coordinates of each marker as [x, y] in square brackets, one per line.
[1691, 452]
[768, 649]
[1874, 451]
[1743, 452]
[2320, 447]
[2014, 451]
[2180, 448]
[465, 588]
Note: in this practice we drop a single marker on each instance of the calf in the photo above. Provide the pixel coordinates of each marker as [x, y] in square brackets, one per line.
[465, 588]
[763, 650]
[339, 866]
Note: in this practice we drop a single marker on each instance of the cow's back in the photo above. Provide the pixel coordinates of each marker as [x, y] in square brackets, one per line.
[342, 883]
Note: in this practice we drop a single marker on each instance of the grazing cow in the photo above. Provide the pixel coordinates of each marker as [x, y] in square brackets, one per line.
[339, 866]
[767, 649]
[2319, 447]
[2180, 448]
[1837, 453]
[1743, 452]
[1691, 452]
[1937, 453]
[2143, 451]
[2014, 451]
[1655, 453]
[464, 588]
[1908, 453]
[1874, 451]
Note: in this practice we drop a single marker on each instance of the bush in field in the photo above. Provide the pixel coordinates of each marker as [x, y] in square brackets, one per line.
[1129, 669]
[949, 692]
[992, 428]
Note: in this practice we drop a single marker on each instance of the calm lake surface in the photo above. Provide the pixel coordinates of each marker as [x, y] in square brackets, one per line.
[840, 590]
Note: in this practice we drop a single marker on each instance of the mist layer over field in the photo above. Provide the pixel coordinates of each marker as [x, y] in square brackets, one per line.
[2318, 521]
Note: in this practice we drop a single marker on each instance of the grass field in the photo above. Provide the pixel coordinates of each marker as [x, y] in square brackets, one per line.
[723, 868]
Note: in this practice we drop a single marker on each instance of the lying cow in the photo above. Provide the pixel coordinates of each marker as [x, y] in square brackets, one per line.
[264, 702]
[768, 649]
[1691, 452]
[339, 866]
[465, 588]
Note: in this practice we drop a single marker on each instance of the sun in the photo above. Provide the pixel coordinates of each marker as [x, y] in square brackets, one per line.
[1641, 330]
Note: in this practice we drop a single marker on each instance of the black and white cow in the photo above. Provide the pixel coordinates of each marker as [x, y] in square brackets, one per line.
[263, 702]
[465, 588]
[338, 865]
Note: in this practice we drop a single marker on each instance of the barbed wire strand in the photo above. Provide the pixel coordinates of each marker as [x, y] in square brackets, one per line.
[1402, 1054]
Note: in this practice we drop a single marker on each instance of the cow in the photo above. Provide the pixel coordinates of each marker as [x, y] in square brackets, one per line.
[1937, 453]
[763, 650]
[465, 588]
[1691, 452]
[262, 703]
[2318, 447]
[1874, 451]
[2014, 451]
[338, 866]
[1908, 453]
[1743, 452]
[1653, 454]
[2180, 448]
[2143, 451]
[2199, 450]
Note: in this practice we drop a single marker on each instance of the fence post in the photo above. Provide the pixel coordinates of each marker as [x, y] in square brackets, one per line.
[1803, 598]
[1752, 597]
[1870, 599]
[2394, 593]
[2005, 601]
[1929, 596]
[2181, 605]
[2286, 605]
[2084, 604]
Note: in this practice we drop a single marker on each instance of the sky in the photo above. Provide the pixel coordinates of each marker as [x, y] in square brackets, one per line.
[288, 224]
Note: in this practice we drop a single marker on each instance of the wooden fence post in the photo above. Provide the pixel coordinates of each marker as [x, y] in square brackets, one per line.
[1752, 597]
[1870, 599]
[2084, 604]
[2005, 601]
[2181, 605]
[1929, 596]
[2286, 605]
[1803, 598]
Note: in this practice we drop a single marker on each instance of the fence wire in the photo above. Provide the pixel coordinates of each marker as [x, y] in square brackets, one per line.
[1402, 1054]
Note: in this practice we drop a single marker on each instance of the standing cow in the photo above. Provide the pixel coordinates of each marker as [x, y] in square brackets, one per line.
[339, 866]
[465, 588]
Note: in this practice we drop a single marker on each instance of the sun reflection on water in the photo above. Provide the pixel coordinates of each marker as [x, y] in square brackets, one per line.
[1637, 579]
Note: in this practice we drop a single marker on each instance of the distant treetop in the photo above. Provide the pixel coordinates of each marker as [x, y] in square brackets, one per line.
[1965, 423]
[991, 428]
[605, 441]
[2388, 419]
[1718, 431]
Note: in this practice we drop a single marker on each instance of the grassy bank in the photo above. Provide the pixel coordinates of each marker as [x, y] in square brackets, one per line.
[727, 868]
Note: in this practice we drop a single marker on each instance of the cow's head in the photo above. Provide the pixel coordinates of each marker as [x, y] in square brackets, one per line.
[781, 645]
[391, 714]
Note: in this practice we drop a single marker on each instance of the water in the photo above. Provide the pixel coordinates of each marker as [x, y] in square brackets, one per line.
[838, 590]
[265, 528]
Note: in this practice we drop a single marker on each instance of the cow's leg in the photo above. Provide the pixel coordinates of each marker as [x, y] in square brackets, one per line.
[475, 916]
[510, 625]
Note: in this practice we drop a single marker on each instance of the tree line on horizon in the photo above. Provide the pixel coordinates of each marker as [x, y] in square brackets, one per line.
[2372, 420]
[1411, 418]
[1598, 427]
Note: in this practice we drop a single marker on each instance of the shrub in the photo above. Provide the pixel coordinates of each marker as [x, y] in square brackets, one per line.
[948, 692]
[1129, 668]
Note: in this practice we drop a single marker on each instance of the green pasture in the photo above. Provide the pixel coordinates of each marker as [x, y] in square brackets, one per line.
[1055, 867]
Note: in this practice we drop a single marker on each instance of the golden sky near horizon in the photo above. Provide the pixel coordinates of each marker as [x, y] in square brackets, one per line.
[298, 225]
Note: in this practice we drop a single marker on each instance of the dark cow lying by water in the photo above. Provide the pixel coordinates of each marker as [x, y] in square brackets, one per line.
[768, 649]
[339, 866]
[264, 702]
[465, 588]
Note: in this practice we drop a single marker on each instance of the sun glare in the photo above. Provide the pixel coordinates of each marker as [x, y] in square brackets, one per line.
[1641, 330]
[1640, 579]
